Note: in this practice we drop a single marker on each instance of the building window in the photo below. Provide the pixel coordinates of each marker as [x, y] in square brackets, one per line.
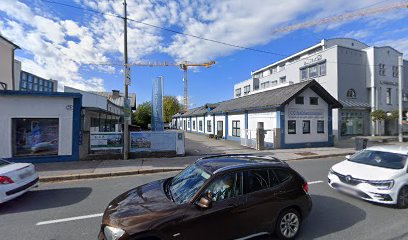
[247, 89]
[282, 79]
[265, 85]
[292, 127]
[388, 98]
[381, 69]
[395, 71]
[35, 136]
[300, 100]
[322, 69]
[274, 82]
[306, 126]
[351, 93]
[236, 129]
[208, 125]
[320, 126]
[313, 71]
[238, 92]
[314, 101]
[194, 125]
[304, 74]
[200, 125]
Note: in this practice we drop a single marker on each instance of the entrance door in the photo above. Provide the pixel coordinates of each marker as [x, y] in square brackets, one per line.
[220, 128]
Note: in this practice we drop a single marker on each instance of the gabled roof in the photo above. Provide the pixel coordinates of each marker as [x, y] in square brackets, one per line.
[275, 98]
[14, 45]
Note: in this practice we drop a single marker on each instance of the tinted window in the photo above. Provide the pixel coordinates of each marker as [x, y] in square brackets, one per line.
[380, 159]
[3, 163]
[273, 180]
[256, 180]
[282, 174]
[226, 186]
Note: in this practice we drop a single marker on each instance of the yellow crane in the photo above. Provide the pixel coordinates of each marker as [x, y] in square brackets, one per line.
[184, 66]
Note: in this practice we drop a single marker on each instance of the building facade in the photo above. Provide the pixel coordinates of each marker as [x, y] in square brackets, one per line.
[8, 78]
[298, 115]
[363, 78]
[31, 82]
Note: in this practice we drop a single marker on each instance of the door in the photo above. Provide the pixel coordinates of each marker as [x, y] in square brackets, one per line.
[220, 128]
[262, 205]
[224, 218]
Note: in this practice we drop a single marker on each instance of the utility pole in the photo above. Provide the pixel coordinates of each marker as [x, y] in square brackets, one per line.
[185, 89]
[126, 105]
[400, 87]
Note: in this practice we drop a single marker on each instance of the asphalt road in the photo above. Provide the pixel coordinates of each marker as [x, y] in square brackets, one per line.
[36, 215]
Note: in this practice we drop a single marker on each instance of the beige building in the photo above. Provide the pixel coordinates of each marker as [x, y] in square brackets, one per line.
[9, 68]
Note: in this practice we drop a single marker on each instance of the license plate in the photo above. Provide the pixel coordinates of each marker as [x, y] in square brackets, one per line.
[348, 191]
[26, 174]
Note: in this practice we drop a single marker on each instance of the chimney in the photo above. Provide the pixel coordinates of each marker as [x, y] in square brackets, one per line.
[115, 93]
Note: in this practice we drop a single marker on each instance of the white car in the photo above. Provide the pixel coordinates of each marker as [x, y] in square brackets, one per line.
[16, 179]
[377, 174]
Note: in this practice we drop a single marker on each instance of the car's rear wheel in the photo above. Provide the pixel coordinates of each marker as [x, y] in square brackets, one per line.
[402, 201]
[288, 224]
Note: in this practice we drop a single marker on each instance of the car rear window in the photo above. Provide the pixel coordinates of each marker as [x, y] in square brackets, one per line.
[283, 174]
[3, 163]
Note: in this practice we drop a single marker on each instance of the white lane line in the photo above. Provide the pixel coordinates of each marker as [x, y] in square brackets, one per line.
[69, 219]
[314, 182]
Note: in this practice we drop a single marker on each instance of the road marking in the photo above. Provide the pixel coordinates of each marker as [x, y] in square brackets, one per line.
[314, 182]
[69, 219]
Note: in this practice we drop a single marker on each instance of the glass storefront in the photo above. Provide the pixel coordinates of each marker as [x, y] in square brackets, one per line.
[352, 123]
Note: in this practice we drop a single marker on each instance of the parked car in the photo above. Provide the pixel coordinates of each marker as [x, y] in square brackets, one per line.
[16, 179]
[218, 197]
[377, 174]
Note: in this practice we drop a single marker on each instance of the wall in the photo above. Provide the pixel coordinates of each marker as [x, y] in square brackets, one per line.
[313, 136]
[6, 59]
[36, 107]
[236, 117]
[269, 120]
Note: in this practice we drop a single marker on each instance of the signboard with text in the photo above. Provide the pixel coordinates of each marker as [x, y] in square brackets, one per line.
[106, 141]
[305, 113]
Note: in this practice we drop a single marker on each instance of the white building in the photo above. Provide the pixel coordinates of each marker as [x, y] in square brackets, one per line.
[298, 115]
[363, 78]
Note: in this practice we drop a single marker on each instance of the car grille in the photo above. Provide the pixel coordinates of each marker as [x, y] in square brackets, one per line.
[347, 179]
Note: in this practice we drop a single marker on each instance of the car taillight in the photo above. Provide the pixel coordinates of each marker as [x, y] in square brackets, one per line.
[5, 180]
[305, 187]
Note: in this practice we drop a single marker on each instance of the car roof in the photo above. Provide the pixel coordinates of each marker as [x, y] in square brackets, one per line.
[221, 163]
[390, 148]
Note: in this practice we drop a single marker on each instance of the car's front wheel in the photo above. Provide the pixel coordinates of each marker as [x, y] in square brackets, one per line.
[288, 224]
[402, 201]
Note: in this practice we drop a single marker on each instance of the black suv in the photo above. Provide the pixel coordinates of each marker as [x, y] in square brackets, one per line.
[218, 197]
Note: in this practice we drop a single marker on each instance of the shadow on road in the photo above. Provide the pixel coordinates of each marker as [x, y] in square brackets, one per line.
[330, 215]
[44, 199]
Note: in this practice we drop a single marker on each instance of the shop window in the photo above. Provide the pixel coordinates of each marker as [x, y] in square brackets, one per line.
[300, 100]
[320, 126]
[292, 127]
[314, 101]
[200, 125]
[208, 125]
[236, 130]
[351, 93]
[35, 136]
[306, 126]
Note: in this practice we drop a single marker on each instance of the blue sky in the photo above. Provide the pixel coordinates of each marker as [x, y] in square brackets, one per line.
[63, 43]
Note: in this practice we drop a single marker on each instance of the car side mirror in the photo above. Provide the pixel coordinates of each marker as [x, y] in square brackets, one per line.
[348, 157]
[204, 202]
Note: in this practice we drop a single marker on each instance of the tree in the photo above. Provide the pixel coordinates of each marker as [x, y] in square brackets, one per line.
[143, 115]
[378, 116]
[171, 106]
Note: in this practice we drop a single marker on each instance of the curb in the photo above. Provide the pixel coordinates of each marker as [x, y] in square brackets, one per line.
[322, 156]
[104, 175]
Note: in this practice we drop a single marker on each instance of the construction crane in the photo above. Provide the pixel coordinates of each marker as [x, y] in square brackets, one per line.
[343, 17]
[184, 66]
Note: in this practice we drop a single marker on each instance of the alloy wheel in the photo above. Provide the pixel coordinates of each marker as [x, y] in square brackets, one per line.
[289, 225]
[403, 198]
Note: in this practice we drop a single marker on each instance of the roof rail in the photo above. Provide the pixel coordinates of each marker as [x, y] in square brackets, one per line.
[226, 155]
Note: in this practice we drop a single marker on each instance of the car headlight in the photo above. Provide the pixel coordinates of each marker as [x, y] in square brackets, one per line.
[331, 171]
[112, 233]
[382, 185]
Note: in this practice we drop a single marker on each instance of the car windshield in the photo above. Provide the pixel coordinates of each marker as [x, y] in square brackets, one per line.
[3, 162]
[185, 184]
[380, 159]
